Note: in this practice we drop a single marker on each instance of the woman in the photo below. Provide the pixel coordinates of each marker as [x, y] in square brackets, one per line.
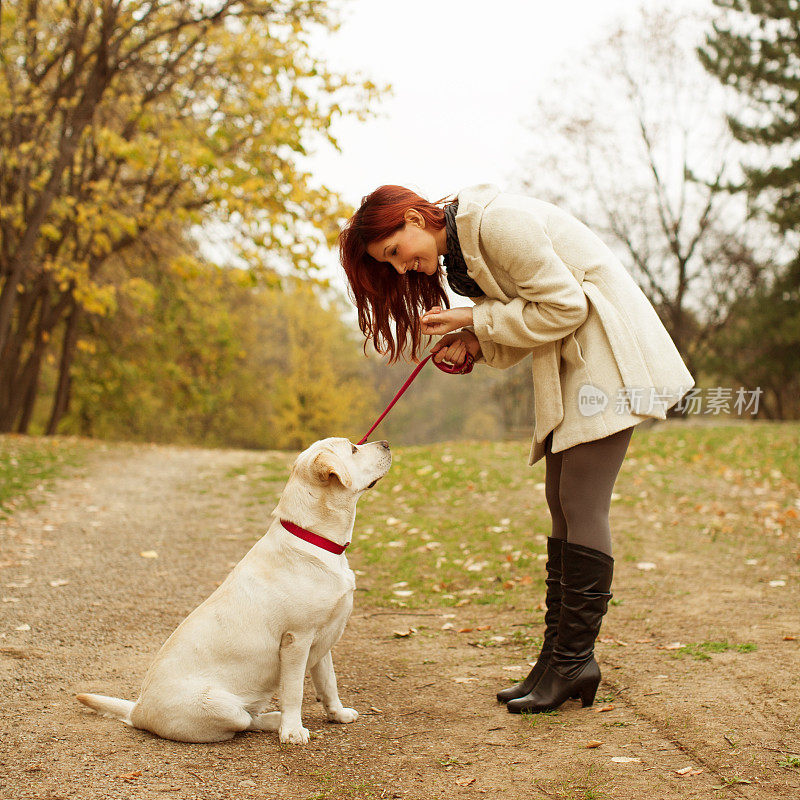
[542, 284]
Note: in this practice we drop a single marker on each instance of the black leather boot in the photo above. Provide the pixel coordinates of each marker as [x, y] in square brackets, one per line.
[553, 610]
[572, 670]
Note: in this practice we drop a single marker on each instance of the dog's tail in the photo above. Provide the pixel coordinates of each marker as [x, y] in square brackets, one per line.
[109, 706]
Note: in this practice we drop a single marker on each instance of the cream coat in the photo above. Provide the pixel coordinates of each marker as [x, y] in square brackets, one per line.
[554, 290]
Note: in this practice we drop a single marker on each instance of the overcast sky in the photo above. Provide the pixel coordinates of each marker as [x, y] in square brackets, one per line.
[464, 74]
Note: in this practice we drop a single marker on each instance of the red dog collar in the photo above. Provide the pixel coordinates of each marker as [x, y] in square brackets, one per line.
[313, 538]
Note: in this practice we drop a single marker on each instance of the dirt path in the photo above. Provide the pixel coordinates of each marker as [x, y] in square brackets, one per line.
[97, 611]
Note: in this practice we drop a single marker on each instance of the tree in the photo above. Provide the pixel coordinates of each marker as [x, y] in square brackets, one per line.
[760, 346]
[632, 139]
[122, 118]
[203, 354]
[754, 47]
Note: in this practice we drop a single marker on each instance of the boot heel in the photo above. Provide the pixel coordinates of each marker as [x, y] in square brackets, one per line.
[588, 693]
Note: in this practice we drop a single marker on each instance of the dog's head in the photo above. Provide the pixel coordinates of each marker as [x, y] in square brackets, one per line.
[340, 464]
[326, 481]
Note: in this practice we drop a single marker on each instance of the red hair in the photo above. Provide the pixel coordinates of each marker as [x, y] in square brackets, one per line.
[381, 295]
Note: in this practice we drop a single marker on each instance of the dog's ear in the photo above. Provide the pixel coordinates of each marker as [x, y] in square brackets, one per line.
[327, 466]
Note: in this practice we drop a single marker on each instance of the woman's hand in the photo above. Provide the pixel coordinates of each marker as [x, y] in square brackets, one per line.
[453, 348]
[437, 321]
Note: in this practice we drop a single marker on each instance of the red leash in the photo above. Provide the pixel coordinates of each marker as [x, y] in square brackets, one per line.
[450, 369]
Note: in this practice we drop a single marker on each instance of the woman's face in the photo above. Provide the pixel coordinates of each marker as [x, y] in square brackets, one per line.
[412, 248]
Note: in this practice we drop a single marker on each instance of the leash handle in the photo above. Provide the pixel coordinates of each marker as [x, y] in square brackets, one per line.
[453, 369]
[450, 369]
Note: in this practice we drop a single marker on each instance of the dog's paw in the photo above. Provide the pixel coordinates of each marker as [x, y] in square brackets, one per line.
[343, 715]
[294, 735]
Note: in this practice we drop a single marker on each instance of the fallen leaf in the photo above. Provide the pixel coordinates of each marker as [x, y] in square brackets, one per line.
[775, 584]
[59, 582]
[376, 710]
[465, 781]
[131, 775]
[448, 626]
[483, 628]
[148, 554]
[688, 771]
[624, 759]
[23, 627]
[593, 743]
[608, 707]
[671, 646]
[645, 565]
[403, 634]
[465, 630]
[463, 680]
[790, 638]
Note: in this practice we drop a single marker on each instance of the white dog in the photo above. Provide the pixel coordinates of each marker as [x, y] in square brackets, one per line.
[280, 611]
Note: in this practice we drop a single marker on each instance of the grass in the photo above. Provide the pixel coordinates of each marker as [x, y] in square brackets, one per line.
[445, 525]
[584, 787]
[466, 523]
[761, 451]
[701, 651]
[534, 720]
[27, 463]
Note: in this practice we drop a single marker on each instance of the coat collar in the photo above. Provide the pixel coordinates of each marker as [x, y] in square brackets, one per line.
[471, 204]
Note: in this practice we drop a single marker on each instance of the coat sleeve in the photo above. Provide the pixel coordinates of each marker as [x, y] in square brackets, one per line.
[549, 302]
[497, 355]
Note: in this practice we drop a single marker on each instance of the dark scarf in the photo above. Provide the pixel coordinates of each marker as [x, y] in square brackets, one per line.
[460, 282]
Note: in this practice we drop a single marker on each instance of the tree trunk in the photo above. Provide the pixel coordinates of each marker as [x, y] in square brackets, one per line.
[24, 389]
[16, 402]
[70, 138]
[12, 354]
[31, 391]
[62, 394]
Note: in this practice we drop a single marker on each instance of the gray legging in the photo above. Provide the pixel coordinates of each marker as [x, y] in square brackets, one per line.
[578, 486]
